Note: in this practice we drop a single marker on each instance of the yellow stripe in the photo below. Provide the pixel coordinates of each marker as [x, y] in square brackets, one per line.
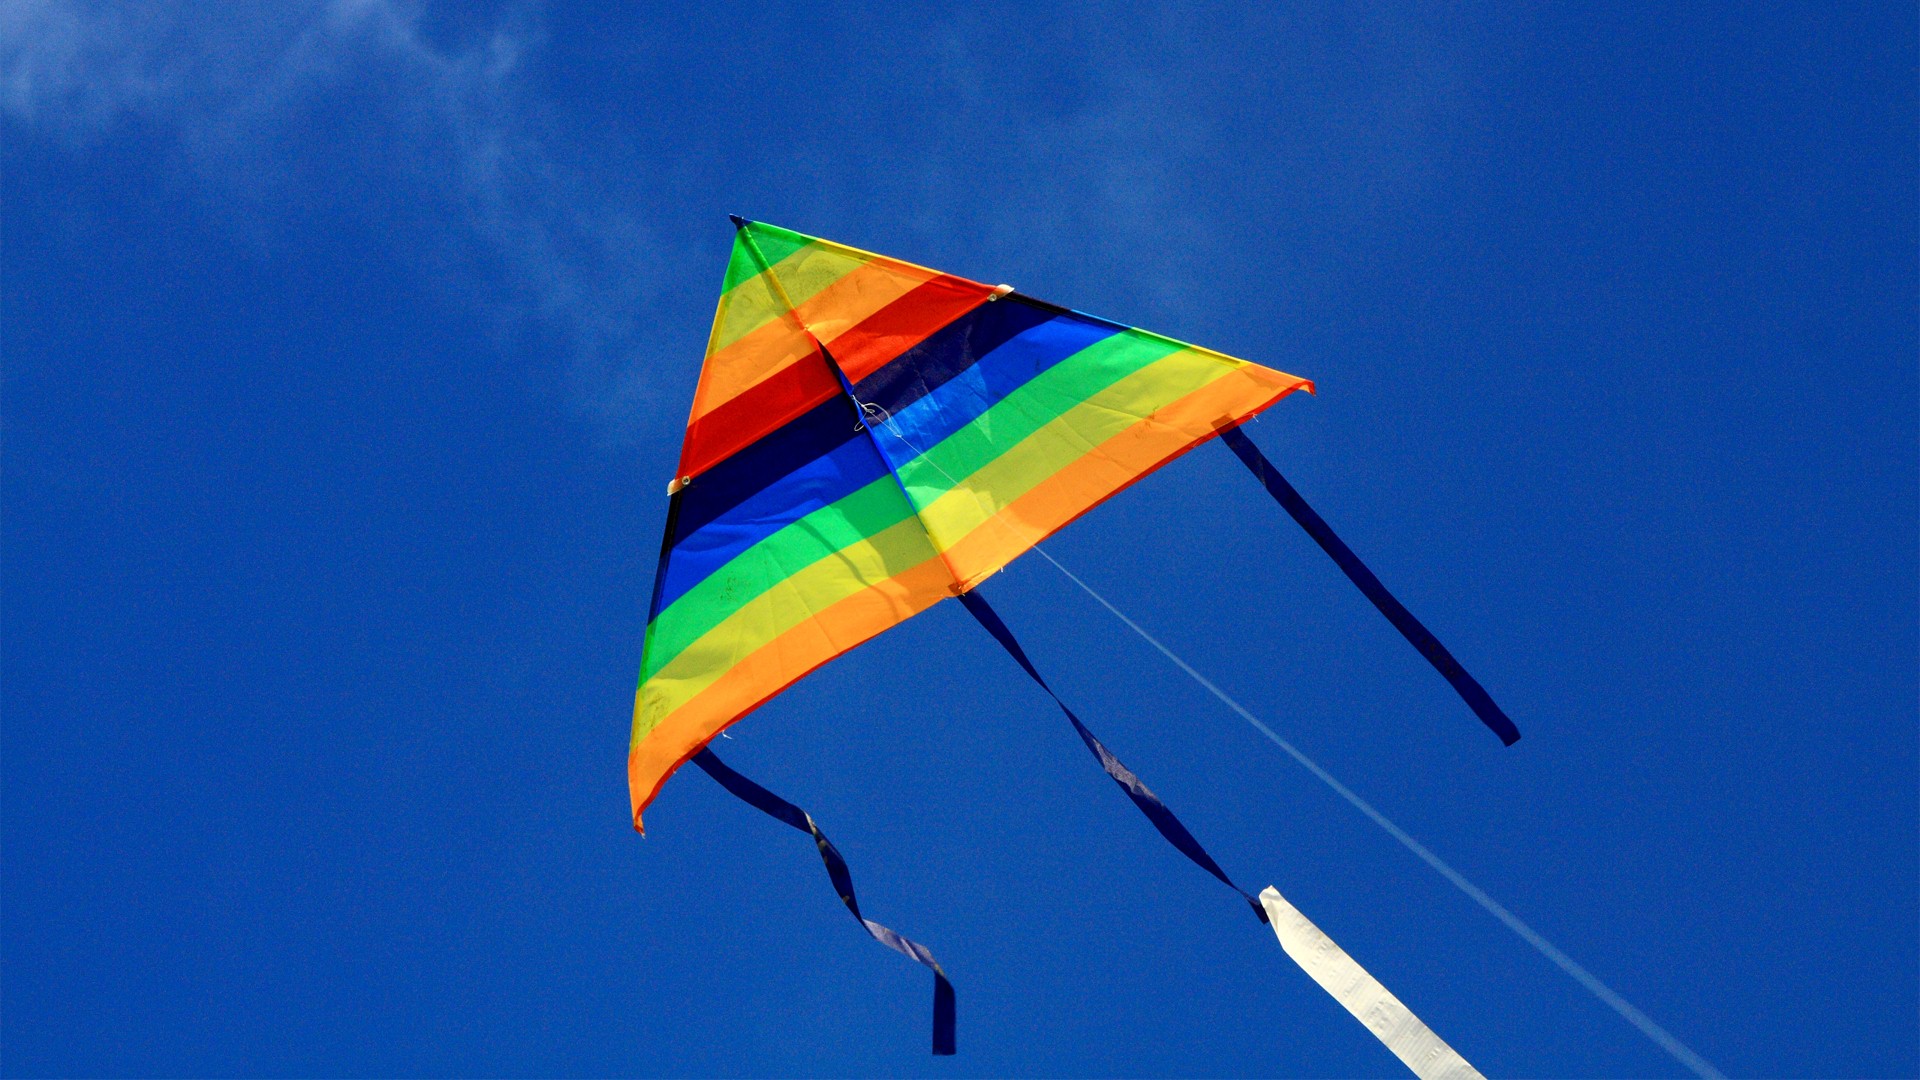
[861, 253]
[804, 272]
[1077, 431]
[789, 599]
[773, 668]
[1092, 478]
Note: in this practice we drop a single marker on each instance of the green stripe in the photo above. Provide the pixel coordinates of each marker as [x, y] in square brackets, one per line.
[794, 600]
[1028, 409]
[872, 509]
[775, 244]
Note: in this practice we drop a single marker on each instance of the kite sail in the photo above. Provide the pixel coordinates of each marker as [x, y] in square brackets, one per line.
[870, 437]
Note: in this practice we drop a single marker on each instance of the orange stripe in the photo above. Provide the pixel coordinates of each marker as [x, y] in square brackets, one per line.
[738, 423]
[752, 358]
[1114, 465]
[772, 668]
[733, 370]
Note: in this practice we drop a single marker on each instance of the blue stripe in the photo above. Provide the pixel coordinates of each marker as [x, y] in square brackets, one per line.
[816, 460]
[926, 418]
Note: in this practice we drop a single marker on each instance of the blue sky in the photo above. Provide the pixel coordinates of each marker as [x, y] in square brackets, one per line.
[346, 352]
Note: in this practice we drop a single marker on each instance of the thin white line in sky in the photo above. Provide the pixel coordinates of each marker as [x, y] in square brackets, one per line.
[1660, 1036]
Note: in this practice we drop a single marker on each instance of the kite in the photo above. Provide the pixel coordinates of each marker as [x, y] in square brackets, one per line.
[870, 437]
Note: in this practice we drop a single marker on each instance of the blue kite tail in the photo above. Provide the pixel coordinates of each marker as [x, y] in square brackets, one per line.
[776, 807]
[1142, 796]
[1410, 628]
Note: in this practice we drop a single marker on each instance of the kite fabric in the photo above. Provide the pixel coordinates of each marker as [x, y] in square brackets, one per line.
[781, 810]
[870, 437]
[1411, 1040]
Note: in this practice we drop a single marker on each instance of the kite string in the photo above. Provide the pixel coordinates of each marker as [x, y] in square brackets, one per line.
[1659, 1035]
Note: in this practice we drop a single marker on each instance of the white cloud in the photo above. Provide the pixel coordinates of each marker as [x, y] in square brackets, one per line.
[62, 64]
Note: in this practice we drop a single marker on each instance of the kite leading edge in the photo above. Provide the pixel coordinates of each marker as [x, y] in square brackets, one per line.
[870, 437]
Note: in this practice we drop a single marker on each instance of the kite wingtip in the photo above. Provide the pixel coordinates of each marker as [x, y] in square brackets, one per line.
[738, 221]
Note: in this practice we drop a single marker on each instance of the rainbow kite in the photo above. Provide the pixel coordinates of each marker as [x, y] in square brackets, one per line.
[870, 437]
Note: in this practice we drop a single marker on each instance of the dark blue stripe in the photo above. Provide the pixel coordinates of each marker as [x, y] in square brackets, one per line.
[1419, 636]
[780, 809]
[949, 351]
[926, 418]
[816, 460]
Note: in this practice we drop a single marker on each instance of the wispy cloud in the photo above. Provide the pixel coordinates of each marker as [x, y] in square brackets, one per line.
[352, 105]
[1100, 162]
[1132, 165]
[69, 67]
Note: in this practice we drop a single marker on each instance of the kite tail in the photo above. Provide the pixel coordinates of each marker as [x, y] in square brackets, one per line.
[1142, 796]
[1410, 628]
[776, 807]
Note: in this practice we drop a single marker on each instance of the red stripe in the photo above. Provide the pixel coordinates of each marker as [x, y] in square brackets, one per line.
[905, 323]
[740, 421]
[862, 350]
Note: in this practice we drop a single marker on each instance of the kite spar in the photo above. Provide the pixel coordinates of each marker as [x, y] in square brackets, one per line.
[870, 437]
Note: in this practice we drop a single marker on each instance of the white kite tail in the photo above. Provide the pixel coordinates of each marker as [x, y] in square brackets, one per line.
[1412, 1041]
